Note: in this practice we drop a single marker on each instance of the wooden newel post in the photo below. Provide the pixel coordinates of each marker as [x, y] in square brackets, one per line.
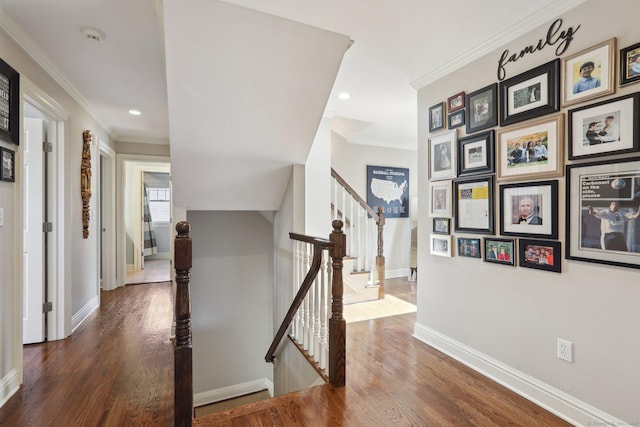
[380, 268]
[183, 364]
[337, 324]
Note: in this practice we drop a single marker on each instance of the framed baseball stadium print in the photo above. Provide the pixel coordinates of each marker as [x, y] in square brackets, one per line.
[529, 209]
[540, 255]
[530, 94]
[532, 149]
[482, 108]
[473, 205]
[605, 128]
[603, 208]
[589, 73]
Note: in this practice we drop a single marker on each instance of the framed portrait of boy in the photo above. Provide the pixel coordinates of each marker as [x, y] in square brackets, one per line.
[589, 73]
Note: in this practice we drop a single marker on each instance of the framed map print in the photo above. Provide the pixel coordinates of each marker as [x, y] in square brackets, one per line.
[388, 187]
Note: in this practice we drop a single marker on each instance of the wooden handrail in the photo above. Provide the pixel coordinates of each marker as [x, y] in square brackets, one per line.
[183, 361]
[318, 246]
[355, 195]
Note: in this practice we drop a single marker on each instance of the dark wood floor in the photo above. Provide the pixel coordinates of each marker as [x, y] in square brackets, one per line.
[117, 370]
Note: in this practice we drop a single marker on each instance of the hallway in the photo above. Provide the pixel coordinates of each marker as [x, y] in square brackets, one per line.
[115, 370]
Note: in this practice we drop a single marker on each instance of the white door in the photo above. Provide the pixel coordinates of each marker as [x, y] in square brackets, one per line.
[33, 236]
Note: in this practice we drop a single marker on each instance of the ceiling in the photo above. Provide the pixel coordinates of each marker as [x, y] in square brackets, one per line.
[145, 61]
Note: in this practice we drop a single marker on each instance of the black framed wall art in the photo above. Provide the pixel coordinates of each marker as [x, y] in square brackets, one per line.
[9, 103]
[482, 108]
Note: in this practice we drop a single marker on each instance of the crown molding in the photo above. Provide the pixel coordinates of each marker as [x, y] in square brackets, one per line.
[536, 19]
[25, 42]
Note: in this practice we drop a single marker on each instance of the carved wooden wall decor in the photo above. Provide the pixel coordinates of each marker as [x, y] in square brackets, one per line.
[85, 181]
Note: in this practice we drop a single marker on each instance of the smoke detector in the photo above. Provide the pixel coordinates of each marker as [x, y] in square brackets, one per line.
[93, 34]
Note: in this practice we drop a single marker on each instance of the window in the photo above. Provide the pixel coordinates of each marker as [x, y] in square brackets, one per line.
[159, 203]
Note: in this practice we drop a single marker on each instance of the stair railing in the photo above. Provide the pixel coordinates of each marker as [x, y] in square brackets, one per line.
[364, 228]
[320, 337]
[182, 346]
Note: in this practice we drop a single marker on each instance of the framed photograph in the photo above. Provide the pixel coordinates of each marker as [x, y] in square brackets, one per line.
[531, 94]
[441, 245]
[529, 209]
[603, 201]
[455, 102]
[8, 171]
[630, 64]
[441, 225]
[476, 154]
[469, 247]
[606, 128]
[532, 149]
[436, 117]
[500, 251]
[473, 205]
[482, 108]
[440, 195]
[540, 254]
[456, 119]
[589, 74]
[9, 103]
[442, 156]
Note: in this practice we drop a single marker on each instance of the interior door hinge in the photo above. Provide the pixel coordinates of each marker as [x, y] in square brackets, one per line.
[47, 307]
[47, 147]
[47, 227]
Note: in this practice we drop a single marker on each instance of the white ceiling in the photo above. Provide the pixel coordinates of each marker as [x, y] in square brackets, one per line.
[398, 46]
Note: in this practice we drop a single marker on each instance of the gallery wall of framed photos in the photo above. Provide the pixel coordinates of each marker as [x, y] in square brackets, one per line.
[544, 167]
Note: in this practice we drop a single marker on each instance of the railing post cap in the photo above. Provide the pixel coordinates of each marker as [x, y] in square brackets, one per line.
[337, 225]
[183, 228]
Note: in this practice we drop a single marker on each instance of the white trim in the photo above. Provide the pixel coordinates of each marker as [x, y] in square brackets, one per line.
[236, 390]
[9, 385]
[78, 319]
[518, 29]
[107, 240]
[550, 398]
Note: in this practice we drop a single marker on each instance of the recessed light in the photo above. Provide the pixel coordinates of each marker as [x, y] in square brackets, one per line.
[93, 34]
[134, 112]
[344, 95]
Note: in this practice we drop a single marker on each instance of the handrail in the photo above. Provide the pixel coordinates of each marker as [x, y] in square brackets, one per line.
[355, 195]
[318, 246]
[183, 361]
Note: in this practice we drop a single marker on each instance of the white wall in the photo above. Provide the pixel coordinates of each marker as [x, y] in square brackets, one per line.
[350, 161]
[81, 275]
[506, 320]
[232, 298]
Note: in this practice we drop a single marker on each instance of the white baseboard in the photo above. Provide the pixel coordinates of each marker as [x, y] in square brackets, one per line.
[8, 386]
[398, 272]
[553, 400]
[224, 393]
[82, 314]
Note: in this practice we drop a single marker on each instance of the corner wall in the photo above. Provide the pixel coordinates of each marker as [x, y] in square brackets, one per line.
[505, 321]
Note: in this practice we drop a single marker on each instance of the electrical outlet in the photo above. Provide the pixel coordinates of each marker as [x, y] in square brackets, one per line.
[565, 350]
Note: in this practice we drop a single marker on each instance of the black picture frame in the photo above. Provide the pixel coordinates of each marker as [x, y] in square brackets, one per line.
[455, 120]
[441, 225]
[587, 124]
[9, 103]
[481, 108]
[540, 255]
[473, 205]
[597, 184]
[476, 154]
[531, 94]
[630, 73]
[437, 114]
[469, 247]
[494, 256]
[8, 166]
[529, 209]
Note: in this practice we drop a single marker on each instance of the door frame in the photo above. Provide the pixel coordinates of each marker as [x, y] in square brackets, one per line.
[131, 163]
[107, 211]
